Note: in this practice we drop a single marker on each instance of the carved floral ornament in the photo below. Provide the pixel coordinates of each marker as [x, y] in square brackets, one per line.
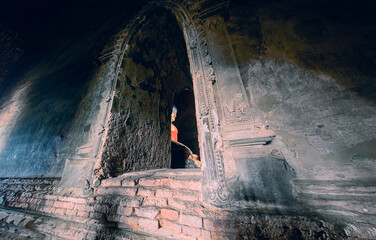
[238, 111]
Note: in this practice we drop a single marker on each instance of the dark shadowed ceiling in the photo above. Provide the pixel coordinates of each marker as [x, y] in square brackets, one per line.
[336, 37]
[48, 28]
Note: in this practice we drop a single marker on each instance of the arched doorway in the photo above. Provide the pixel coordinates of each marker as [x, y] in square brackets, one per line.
[94, 159]
[153, 71]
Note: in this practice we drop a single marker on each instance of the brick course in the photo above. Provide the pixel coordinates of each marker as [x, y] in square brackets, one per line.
[150, 205]
[191, 221]
[169, 214]
[176, 228]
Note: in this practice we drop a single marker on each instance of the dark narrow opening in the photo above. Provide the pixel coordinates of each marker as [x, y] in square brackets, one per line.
[185, 149]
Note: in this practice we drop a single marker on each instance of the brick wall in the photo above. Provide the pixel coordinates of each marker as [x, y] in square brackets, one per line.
[161, 203]
[27, 193]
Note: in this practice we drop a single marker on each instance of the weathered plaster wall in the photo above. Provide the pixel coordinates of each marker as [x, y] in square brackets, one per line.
[155, 68]
[309, 71]
[331, 37]
[327, 131]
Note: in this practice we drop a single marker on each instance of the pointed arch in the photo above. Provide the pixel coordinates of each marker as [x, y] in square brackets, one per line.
[202, 71]
[81, 170]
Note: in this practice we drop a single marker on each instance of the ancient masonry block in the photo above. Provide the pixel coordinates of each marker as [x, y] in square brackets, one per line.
[176, 228]
[192, 221]
[154, 182]
[150, 213]
[125, 211]
[145, 192]
[148, 224]
[154, 201]
[128, 183]
[164, 193]
[190, 231]
[169, 214]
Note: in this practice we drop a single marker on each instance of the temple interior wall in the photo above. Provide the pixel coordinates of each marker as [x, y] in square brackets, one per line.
[307, 70]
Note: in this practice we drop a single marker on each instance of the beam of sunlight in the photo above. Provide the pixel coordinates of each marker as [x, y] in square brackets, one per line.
[10, 111]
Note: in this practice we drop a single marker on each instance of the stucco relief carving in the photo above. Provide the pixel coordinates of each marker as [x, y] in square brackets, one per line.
[232, 102]
[238, 111]
[213, 23]
[214, 182]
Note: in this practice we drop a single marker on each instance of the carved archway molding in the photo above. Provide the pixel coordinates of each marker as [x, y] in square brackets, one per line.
[191, 23]
[223, 113]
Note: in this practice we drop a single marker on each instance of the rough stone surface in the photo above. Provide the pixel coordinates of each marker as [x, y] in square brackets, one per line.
[139, 127]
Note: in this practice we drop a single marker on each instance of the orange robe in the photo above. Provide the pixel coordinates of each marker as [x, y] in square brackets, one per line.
[174, 133]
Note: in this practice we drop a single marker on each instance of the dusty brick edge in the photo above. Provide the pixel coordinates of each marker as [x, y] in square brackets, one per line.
[162, 206]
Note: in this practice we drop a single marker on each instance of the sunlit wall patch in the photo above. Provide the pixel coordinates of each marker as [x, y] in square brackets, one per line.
[11, 110]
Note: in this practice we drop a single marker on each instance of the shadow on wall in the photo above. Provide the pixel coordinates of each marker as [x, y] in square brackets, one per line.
[333, 37]
[265, 179]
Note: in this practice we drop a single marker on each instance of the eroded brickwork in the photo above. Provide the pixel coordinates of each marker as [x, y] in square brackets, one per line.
[157, 204]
